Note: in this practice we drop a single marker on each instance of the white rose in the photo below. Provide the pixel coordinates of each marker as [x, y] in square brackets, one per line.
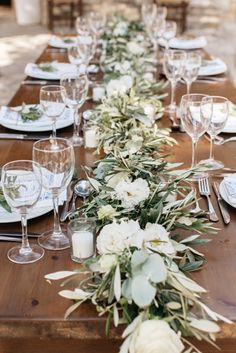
[148, 76]
[135, 48]
[121, 29]
[119, 86]
[113, 180]
[107, 262]
[123, 68]
[107, 212]
[156, 336]
[132, 193]
[114, 238]
[155, 237]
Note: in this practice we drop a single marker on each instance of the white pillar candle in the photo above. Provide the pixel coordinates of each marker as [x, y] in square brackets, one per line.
[82, 244]
[90, 138]
[98, 93]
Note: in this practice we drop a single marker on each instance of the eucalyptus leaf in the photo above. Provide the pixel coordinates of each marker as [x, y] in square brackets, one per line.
[155, 269]
[117, 283]
[143, 292]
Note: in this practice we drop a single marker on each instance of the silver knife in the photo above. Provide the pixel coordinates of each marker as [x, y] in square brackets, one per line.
[40, 82]
[18, 235]
[221, 203]
[12, 136]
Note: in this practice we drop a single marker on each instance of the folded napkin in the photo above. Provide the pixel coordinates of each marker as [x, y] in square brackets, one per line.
[33, 70]
[186, 43]
[62, 42]
[212, 67]
[230, 126]
[230, 188]
[11, 116]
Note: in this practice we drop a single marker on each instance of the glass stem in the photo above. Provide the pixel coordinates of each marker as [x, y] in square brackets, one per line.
[172, 101]
[77, 120]
[188, 87]
[57, 228]
[211, 147]
[25, 248]
[194, 147]
[54, 130]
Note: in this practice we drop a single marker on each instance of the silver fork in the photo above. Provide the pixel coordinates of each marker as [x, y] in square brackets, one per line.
[220, 140]
[204, 190]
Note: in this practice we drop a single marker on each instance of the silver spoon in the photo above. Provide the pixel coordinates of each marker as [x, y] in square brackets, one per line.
[82, 189]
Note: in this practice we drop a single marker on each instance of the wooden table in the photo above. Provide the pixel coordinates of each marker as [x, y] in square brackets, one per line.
[31, 312]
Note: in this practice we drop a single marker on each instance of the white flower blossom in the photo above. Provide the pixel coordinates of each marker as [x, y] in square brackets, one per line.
[107, 262]
[119, 86]
[132, 193]
[157, 336]
[155, 237]
[135, 48]
[114, 238]
[107, 212]
[123, 68]
[120, 29]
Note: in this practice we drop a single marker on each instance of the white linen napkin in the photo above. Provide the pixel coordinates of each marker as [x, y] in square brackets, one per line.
[59, 42]
[34, 70]
[230, 188]
[186, 43]
[212, 67]
[231, 121]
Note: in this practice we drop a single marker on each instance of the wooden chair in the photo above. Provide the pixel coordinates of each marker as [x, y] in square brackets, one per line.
[63, 11]
[177, 11]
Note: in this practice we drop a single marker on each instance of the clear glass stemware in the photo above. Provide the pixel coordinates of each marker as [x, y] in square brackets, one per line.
[220, 113]
[169, 32]
[22, 186]
[196, 115]
[52, 101]
[173, 67]
[76, 87]
[56, 159]
[192, 66]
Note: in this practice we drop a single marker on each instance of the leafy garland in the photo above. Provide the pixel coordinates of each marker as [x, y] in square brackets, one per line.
[142, 206]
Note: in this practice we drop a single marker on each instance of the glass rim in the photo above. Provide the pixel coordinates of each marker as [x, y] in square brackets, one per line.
[74, 75]
[82, 220]
[68, 142]
[56, 88]
[21, 160]
[221, 97]
[185, 96]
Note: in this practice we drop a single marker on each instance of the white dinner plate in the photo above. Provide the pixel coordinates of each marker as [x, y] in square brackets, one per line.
[212, 67]
[43, 206]
[230, 126]
[224, 195]
[184, 43]
[33, 70]
[43, 124]
[61, 42]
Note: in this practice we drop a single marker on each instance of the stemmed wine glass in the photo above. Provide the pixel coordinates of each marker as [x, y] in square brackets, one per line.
[79, 55]
[148, 11]
[155, 31]
[52, 100]
[195, 118]
[220, 112]
[56, 159]
[76, 87]
[173, 67]
[169, 32]
[96, 21]
[22, 186]
[192, 66]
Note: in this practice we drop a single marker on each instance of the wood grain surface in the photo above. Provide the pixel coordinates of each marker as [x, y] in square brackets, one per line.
[31, 312]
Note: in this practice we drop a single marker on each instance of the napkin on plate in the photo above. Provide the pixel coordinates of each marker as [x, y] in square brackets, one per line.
[212, 67]
[186, 43]
[33, 70]
[12, 117]
[60, 42]
[231, 121]
[230, 188]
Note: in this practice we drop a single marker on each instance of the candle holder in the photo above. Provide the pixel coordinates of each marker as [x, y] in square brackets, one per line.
[90, 136]
[82, 236]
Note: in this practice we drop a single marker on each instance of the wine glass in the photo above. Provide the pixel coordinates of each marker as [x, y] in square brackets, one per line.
[76, 87]
[195, 118]
[220, 113]
[56, 159]
[52, 100]
[96, 21]
[79, 55]
[155, 31]
[22, 186]
[148, 12]
[81, 25]
[192, 66]
[173, 67]
[169, 32]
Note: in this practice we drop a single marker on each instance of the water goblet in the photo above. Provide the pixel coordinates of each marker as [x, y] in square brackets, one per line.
[196, 115]
[52, 101]
[79, 55]
[155, 31]
[169, 32]
[173, 67]
[192, 66]
[220, 113]
[22, 186]
[76, 87]
[96, 21]
[148, 12]
[56, 159]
